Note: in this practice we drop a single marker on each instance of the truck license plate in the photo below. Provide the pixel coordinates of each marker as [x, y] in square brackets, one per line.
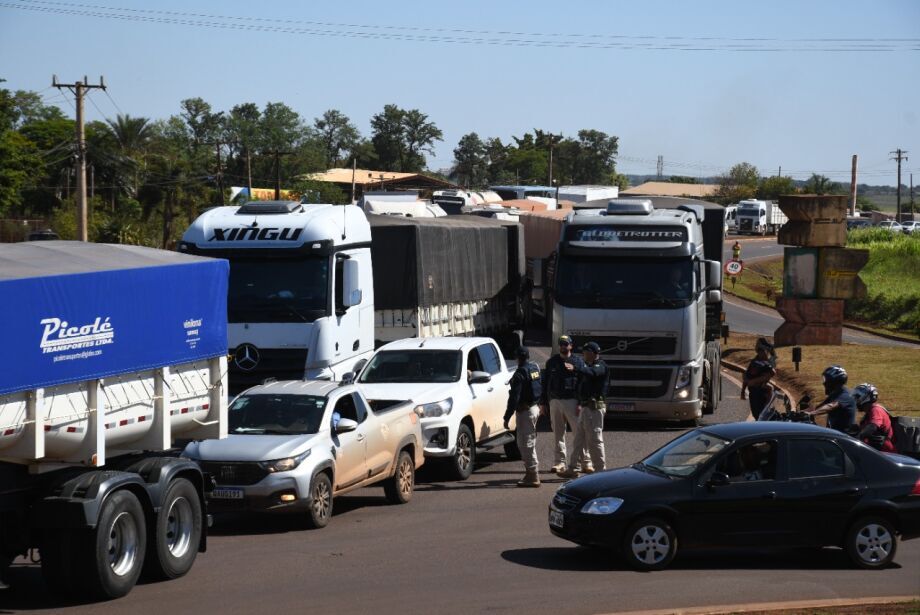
[555, 518]
[224, 493]
[621, 407]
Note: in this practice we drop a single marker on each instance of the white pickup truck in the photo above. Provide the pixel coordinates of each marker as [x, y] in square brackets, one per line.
[297, 444]
[461, 387]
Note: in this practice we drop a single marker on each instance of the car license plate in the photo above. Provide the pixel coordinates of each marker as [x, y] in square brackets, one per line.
[621, 407]
[555, 518]
[224, 493]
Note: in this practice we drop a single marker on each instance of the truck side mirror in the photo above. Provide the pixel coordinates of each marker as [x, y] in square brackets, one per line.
[713, 275]
[351, 284]
[713, 296]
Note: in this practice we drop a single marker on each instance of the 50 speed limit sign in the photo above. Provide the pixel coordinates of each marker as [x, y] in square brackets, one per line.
[733, 267]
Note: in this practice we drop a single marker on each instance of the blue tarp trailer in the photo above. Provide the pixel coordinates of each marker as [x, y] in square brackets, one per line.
[76, 311]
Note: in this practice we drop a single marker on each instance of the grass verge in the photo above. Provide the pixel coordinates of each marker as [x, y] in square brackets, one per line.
[892, 370]
[887, 608]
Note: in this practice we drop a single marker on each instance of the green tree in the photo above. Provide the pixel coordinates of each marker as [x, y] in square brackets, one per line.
[497, 157]
[739, 183]
[771, 188]
[20, 166]
[471, 165]
[420, 135]
[388, 137]
[683, 179]
[596, 154]
[819, 184]
[337, 135]
[242, 133]
[132, 136]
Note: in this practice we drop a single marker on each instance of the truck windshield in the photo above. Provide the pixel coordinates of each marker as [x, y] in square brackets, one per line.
[748, 211]
[276, 414]
[413, 366]
[282, 290]
[630, 283]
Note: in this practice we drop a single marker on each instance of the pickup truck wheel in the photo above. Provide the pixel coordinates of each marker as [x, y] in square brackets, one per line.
[178, 532]
[398, 489]
[461, 465]
[320, 501]
[512, 452]
[113, 555]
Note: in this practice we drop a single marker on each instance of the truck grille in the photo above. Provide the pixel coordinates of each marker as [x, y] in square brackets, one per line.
[746, 224]
[638, 382]
[565, 502]
[279, 363]
[234, 472]
[612, 345]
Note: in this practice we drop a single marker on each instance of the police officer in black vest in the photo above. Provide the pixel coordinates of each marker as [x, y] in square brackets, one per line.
[592, 404]
[523, 398]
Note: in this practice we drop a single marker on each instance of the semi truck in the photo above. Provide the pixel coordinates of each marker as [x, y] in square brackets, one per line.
[756, 217]
[642, 278]
[115, 352]
[315, 288]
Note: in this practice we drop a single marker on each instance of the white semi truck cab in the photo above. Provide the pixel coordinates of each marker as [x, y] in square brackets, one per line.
[636, 280]
[301, 292]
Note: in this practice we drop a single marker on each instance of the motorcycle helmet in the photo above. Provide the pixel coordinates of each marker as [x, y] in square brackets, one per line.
[833, 377]
[865, 393]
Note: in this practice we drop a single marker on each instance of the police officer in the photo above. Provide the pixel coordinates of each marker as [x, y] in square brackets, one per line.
[592, 396]
[522, 402]
[840, 407]
[560, 383]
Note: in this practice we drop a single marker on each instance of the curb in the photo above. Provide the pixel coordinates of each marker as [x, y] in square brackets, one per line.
[777, 606]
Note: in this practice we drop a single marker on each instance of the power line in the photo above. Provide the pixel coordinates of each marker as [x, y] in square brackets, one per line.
[457, 36]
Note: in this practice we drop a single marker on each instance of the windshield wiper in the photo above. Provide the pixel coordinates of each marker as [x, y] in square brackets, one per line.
[653, 469]
[248, 430]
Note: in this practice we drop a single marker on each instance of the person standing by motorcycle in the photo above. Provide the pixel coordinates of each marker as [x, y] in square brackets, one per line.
[757, 377]
[839, 406]
[875, 427]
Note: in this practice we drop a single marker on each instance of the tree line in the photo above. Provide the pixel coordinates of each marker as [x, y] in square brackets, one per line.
[149, 178]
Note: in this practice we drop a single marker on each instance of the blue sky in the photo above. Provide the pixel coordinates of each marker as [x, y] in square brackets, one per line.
[702, 110]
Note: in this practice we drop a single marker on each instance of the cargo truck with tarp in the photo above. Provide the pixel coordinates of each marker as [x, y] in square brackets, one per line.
[314, 288]
[115, 352]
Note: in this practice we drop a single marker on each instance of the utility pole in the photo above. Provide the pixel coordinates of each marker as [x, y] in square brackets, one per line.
[79, 91]
[660, 167]
[278, 154]
[354, 169]
[550, 162]
[911, 196]
[899, 155]
[220, 172]
[853, 187]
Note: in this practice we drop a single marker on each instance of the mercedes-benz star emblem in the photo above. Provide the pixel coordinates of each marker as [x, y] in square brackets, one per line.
[246, 357]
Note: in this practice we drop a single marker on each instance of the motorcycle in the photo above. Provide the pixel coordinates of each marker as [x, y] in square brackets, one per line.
[797, 415]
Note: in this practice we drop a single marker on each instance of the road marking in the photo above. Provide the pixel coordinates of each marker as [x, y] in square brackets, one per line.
[776, 606]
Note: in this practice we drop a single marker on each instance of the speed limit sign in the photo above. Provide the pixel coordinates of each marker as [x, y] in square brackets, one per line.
[733, 267]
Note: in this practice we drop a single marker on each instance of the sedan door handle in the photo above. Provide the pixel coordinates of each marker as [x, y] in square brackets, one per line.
[490, 389]
[769, 495]
[360, 438]
[852, 491]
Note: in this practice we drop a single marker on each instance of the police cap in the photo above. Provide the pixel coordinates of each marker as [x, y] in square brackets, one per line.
[523, 353]
[593, 347]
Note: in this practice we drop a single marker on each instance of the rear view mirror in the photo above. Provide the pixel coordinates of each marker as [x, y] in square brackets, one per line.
[479, 377]
[351, 283]
[713, 275]
[346, 425]
[718, 479]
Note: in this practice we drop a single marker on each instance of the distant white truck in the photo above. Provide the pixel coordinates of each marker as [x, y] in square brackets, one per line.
[461, 388]
[755, 217]
[295, 445]
[584, 193]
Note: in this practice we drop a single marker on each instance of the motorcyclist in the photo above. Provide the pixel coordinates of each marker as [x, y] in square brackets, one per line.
[839, 406]
[875, 427]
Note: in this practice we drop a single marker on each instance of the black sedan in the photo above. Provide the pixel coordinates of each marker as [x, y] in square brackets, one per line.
[748, 484]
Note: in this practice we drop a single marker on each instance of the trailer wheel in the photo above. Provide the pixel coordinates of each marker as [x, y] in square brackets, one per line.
[177, 532]
[114, 552]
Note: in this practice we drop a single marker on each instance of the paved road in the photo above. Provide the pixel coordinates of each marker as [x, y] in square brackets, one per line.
[480, 545]
[747, 317]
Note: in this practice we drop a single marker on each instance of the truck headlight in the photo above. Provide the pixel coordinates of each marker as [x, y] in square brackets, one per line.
[284, 465]
[602, 506]
[684, 375]
[437, 408]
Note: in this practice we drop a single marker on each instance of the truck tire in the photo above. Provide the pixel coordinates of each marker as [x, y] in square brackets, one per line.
[177, 532]
[320, 510]
[398, 488]
[460, 466]
[58, 565]
[112, 556]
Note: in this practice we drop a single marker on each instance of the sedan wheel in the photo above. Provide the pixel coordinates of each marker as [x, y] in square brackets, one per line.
[650, 544]
[871, 543]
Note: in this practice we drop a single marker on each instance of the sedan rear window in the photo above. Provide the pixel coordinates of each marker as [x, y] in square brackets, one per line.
[813, 458]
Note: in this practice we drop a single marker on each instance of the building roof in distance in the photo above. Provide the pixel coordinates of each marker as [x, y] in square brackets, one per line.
[671, 189]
